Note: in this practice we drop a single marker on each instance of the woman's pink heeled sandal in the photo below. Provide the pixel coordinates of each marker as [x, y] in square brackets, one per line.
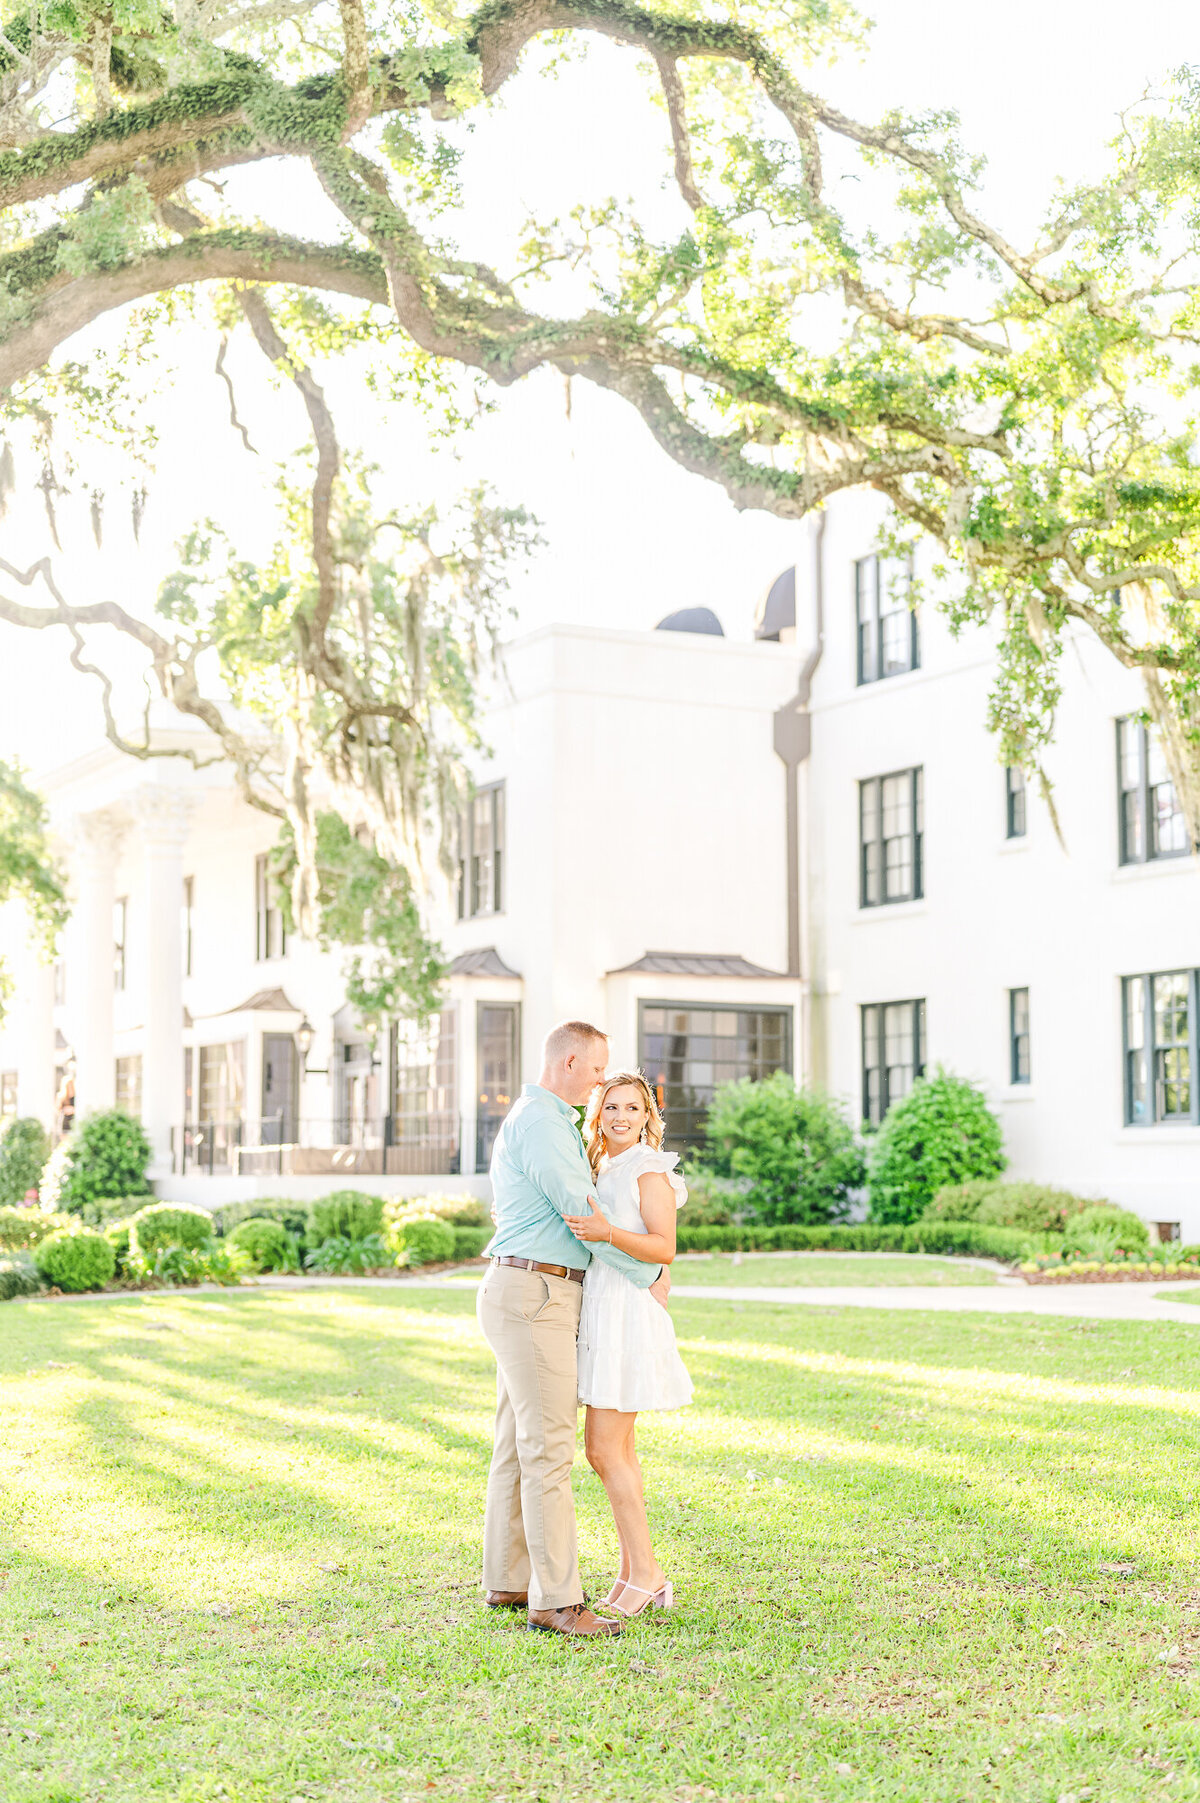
[663, 1598]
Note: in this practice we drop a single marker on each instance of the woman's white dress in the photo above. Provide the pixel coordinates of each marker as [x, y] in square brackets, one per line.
[628, 1358]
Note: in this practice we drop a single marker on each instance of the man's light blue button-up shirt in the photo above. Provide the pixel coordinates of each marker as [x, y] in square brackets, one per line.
[540, 1173]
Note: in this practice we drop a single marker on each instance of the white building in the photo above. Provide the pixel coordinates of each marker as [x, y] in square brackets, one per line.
[796, 852]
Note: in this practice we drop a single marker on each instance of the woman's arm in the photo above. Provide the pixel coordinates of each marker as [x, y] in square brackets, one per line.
[656, 1246]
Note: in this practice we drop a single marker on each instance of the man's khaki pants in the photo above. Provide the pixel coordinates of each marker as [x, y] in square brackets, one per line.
[531, 1322]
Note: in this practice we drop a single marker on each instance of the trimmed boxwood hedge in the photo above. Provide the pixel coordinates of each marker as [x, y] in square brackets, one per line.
[962, 1237]
[169, 1224]
[76, 1261]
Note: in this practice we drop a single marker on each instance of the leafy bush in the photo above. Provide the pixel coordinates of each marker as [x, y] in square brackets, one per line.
[118, 1234]
[79, 1260]
[291, 1215]
[21, 1228]
[267, 1245]
[942, 1132]
[456, 1211]
[107, 1156]
[111, 1208]
[212, 1262]
[1035, 1207]
[794, 1148]
[347, 1214]
[712, 1201]
[1103, 1229]
[18, 1277]
[169, 1224]
[469, 1242]
[24, 1149]
[343, 1257]
[422, 1240]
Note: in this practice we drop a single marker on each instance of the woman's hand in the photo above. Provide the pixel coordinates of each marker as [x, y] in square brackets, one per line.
[590, 1227]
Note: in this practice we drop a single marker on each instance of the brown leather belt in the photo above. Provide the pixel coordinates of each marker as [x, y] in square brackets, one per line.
[531, 1264]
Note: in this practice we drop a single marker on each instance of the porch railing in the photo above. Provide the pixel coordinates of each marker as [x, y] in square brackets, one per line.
[395, 1145]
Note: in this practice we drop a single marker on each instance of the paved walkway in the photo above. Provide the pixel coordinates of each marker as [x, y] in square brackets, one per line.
[1083, 1301]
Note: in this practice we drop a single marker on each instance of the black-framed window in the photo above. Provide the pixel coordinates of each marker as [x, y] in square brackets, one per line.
[270, 939]
[497, 1071]
[1160, 1012]
[893, 1054]
[481, 854]
[1151, 821]
[887, 639]
[689, 1049]
[1014, 802]
[1018, 1036]
[891, 834]
[187, 913]
[120, 932]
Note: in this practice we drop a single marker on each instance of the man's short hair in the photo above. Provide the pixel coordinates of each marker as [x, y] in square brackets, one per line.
[569, 1036]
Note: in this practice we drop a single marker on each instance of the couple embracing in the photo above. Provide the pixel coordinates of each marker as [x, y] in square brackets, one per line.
[574, 1306]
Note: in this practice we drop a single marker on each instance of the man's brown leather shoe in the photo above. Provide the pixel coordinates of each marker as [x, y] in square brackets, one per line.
[507, 1599]
[573, 1618]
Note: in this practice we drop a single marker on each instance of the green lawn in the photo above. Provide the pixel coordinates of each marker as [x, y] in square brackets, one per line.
[926, 1557]
[823, 1270]
[1178, 1295]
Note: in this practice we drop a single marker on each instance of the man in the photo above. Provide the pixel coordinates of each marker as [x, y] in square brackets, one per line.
[528, 1308]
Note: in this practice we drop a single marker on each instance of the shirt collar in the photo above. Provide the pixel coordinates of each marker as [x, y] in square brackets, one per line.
[535, 1089]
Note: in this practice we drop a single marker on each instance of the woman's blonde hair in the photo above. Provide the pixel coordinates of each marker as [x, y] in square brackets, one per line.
[593, 1132]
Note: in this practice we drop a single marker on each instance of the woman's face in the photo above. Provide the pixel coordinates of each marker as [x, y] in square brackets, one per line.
[622, 1116]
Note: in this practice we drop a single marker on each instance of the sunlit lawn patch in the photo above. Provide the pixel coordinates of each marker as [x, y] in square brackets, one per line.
[922, 1556]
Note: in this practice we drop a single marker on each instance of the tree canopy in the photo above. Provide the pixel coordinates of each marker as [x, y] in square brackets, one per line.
[1028, 406]
[29, 869]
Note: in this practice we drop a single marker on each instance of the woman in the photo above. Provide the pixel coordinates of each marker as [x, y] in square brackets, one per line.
[628, 1360]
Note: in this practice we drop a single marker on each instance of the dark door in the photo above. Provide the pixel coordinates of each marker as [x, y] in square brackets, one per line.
[498, 1065]
[279, 1083]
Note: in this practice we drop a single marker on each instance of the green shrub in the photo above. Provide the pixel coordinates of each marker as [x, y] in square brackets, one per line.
[108, 1156]
[712, 1201]
[422, 1240]
[969, 1239]
[24, 1149]
[1104, 1228]
[469, 1242]
[111, 1208]
[1034, 1207]
[212, 1262]
[18, 1277]
[347, 1214]
[80, 1260]
[169, 1224]
[343, 1257]
[964, 1238]
[456, 1211]
[118, 1234]
[21, 1228]
[291, 1214]
[794, 1149]
[267, 1244]
[942, 1132]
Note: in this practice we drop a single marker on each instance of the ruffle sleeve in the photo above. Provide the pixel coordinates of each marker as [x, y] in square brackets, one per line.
[664, 1162]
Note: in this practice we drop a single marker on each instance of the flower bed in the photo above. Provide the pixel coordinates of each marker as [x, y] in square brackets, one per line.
[1128, 1270]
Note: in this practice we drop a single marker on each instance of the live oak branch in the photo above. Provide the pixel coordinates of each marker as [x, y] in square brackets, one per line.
[1029, 407]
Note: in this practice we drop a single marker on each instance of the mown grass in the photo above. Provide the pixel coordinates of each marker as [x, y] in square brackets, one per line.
[926, 1557]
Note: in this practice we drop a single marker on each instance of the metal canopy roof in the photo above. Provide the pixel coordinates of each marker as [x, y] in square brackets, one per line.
[486, 962]
[696, 964]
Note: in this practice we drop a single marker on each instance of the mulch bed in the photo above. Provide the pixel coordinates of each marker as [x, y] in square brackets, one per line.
[1169, 1274]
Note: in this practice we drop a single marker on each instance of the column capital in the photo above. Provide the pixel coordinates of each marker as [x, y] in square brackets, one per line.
[163, 816]
[97, 835]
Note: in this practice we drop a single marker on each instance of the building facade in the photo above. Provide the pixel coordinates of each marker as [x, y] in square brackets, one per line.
[797, 852]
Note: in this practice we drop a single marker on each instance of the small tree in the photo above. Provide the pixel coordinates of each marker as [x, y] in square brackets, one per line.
[24, 1149]
[942, 1132]
[108, 1156]
[794, 1148]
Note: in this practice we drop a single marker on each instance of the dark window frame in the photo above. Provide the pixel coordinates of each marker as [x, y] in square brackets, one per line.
[1153, 1074]
[270, 934]
[869, 621]
[1138, 827]
[686, 1135]
[491, 1112]
[916, 835]
[483, 866]
[1016, 810]
[875, 1108]
[1019, 1056]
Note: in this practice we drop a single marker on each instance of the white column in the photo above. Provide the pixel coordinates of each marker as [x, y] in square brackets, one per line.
[96, 840]
[35, 1046]
[163, 817]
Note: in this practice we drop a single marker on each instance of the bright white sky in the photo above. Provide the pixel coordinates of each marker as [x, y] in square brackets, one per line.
[629, 535]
